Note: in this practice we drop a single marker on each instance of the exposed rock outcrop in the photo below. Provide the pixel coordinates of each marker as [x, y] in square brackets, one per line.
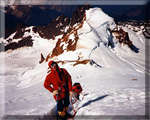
[123, 38]
[42, 58]
[55, 28]
[75, 62]
[26, 41]
[69, 43]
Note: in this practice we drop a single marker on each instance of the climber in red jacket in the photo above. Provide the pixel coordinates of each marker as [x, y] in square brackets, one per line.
[59, 82]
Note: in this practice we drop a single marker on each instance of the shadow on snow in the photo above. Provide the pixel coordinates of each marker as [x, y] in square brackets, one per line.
[94, 100]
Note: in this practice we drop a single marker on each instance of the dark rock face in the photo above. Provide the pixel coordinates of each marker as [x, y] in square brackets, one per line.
[147, 30]
[43, 16]
[138, 26]
[33, 15]
[123, 38]
[27, 16]
[19, 33]
[56, 27]
[12, 24]
[78, 15]
[27, 41]
[42, 58]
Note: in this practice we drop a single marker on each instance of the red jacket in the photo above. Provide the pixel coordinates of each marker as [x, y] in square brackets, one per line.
[53, 82]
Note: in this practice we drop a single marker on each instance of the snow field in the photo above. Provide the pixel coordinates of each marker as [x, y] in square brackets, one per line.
[115, 88]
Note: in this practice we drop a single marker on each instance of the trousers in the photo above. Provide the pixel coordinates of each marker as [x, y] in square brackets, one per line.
[62, 103]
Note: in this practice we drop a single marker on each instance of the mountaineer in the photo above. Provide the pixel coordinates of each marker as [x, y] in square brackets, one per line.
[59, 83]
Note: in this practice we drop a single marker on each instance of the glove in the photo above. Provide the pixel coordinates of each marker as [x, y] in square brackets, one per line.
[70, 93]
[55, 92]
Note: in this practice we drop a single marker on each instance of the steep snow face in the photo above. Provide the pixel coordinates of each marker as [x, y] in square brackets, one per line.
[95, 30]
[114, 78]
[95, 37]
[96, 17]
[95, 26]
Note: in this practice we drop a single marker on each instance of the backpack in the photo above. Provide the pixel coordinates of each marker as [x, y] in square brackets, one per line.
[77, 88]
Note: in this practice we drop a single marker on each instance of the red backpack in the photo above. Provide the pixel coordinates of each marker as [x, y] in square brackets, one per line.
[76, 88]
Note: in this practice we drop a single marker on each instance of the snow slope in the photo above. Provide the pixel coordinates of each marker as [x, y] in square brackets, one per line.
[115, 84]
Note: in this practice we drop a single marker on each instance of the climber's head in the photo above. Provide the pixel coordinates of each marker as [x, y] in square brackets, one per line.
[53, 65]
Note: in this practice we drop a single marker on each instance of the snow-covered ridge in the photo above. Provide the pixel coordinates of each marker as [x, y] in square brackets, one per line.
[31, 33]
[94, 31]
[96, 18]
[111, 69]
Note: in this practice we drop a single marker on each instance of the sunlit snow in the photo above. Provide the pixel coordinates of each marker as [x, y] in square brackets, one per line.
[115, 88]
